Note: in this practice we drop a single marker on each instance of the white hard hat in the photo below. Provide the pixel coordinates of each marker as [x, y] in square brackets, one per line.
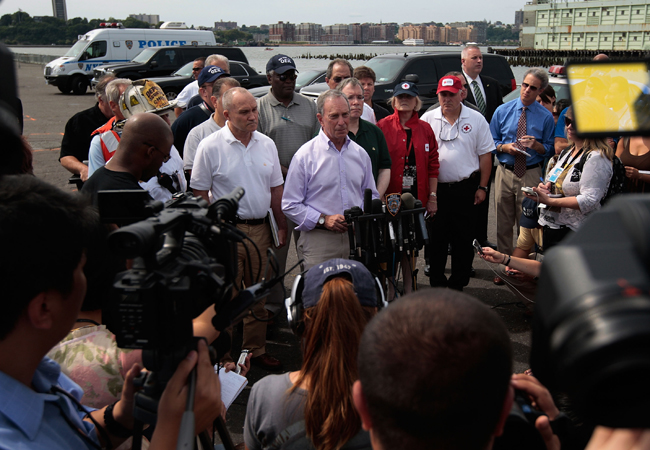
[144, 96]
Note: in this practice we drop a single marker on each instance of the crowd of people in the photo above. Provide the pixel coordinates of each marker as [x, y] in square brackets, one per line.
[402, 377]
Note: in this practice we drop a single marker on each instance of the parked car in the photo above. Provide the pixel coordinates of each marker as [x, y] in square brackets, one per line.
[174, 83]
[424, 69]
[304, 79]
[162, 61]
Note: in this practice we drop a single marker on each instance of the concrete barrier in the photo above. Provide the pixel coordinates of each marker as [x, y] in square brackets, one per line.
[31, 58]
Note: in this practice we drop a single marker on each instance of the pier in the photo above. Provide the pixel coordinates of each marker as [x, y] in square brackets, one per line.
[547, 58]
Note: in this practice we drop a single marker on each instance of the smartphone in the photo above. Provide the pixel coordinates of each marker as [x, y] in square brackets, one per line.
[478, 247]
[242, 360]
[528, 190]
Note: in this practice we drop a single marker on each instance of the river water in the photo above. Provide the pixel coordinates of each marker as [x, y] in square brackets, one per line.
[307, 57]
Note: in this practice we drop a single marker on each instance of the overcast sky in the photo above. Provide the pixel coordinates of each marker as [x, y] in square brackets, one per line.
[256, 12]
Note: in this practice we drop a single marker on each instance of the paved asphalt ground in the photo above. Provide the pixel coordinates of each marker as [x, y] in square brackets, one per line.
[46, 113]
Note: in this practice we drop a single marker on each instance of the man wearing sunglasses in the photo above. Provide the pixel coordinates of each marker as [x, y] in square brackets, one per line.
[289, 119]
[523, 133]
[464, 146]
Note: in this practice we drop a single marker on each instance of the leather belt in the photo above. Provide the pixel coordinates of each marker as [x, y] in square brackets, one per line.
[252, 221]
[511, 168]
[464, 180]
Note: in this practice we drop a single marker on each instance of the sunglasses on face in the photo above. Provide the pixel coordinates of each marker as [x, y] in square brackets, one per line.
[568, 121]
[339, 79]
[285, 77]
[528, 86]
[196, 69]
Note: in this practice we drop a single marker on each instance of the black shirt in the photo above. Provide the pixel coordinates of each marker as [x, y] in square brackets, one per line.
[186, 121]
[76, 139]
[129, 208]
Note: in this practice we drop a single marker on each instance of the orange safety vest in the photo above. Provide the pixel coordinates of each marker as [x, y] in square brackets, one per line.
[108, 138]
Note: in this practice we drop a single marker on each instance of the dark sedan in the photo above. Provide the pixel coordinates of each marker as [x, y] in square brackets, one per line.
[174, 84]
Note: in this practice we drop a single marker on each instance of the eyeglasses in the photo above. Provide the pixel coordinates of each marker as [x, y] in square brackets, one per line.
[166, 156]
[339, 79]
[442, 122]
[568, 121]
[196, 69]
[285, 77]
[528, 86]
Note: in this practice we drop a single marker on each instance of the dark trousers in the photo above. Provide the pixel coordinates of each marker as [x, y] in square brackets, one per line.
[454, 223]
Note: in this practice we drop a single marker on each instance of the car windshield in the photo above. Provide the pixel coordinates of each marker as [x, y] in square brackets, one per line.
[144, 56]
[185, 71]
[305, 78]
[77, 48]
[386, 69]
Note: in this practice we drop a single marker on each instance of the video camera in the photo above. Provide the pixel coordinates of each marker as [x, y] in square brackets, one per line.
[381, 229]
[184, 260]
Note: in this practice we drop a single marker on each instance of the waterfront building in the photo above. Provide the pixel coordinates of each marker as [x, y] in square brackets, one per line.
[309, 32]
[59, 9]
[282, 32]
[225, 26]
[152, 19]
[587, 25]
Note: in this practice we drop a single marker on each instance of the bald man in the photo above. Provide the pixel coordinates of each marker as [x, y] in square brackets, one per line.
[146, 143]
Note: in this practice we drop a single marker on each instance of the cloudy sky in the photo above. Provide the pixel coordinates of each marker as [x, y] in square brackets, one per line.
[256, 12]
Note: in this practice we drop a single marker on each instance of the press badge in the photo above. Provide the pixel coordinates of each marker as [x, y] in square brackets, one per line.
[426, 147]
[554, 174]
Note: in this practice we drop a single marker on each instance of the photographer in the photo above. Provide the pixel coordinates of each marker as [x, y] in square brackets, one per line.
[43, 232]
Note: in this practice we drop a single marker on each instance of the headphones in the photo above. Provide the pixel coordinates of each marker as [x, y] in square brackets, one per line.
[295, 307]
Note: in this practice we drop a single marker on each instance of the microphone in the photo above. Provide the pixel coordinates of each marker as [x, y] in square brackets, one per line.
[409, 203]
[424, 234]
[226, 207]
[368, 204]
[375, 230]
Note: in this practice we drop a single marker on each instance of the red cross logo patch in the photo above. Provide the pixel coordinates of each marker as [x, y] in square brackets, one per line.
[466, 128]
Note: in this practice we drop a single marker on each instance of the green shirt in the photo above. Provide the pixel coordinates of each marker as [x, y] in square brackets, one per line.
[371, 138]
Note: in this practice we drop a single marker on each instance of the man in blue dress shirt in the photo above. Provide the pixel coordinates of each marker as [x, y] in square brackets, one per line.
[523, 132]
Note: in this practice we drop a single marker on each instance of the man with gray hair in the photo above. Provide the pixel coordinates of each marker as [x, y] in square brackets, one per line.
[239, 156]
[523, 132]
[192, 90]
[79, 129]
[105, 138]
[328, 175]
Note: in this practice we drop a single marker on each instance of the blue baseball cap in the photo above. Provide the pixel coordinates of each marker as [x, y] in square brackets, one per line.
[406, 87]
[209, 74]
[529, 214]
[317, 276]
[280, 64]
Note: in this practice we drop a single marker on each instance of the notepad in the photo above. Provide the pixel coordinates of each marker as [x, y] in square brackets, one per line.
[232, 384]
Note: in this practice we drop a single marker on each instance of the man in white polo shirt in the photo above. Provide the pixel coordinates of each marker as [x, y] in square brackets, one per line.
[238, 155]
[464, 146]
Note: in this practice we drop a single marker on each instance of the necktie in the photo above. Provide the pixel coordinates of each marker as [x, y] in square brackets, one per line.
[520, 158]
[480, 101]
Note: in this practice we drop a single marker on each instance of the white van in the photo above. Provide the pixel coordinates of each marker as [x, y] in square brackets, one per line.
[113, 44]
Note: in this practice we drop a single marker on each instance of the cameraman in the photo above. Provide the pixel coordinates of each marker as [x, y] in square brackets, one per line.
[43, 232]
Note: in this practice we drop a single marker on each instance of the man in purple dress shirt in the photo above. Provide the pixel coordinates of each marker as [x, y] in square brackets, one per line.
[327, 176]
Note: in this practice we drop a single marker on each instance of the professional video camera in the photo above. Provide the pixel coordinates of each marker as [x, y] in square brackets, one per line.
[591, 329]
[381, 230]
[184, 260]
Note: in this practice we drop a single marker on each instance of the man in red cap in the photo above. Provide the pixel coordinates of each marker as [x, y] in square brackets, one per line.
[464, 146]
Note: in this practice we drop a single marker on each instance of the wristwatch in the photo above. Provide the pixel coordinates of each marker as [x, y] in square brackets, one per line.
[483, 188]
[321, 220]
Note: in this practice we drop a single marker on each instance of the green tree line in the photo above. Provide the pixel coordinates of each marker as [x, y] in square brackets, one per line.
[20, 28]
[497, 35]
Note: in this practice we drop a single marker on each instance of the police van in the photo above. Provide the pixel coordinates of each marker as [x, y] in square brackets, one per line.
[112, 43]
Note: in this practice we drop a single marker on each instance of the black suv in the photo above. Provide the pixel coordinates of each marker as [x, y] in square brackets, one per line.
[424, 69]
[242, 72]
[161, 61]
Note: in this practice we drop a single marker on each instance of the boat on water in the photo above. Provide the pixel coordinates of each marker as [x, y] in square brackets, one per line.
[413, 42]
